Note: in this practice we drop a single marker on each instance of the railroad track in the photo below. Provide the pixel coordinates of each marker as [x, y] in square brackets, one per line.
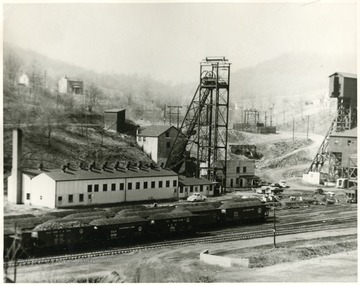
[280, 230]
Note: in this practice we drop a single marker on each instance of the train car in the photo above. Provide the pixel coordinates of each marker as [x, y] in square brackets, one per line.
[242, 212]
[63, 234]
[123, 228]
[208, 215]
[174, 223]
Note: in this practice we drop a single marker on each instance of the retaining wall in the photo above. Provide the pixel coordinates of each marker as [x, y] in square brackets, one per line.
[223, 261]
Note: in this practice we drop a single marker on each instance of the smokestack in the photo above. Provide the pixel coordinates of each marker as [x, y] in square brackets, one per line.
[15, 182]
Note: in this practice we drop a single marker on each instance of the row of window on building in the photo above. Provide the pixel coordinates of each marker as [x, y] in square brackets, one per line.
[146, 185]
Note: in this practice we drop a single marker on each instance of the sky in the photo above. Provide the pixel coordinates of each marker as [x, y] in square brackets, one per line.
[168, 40]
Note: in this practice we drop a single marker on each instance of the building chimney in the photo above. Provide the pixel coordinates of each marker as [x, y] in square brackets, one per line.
[140, 164]
[162, 165]
[116, 166]
[63, 168]
[68, 165]
[104, 166]
[81, 165]
[41, 166]
[15, 181]
[128, 165]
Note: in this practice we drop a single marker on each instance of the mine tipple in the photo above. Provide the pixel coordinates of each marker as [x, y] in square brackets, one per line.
[102, 228]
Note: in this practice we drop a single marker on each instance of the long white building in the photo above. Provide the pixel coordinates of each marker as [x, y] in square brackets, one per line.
[79, 187]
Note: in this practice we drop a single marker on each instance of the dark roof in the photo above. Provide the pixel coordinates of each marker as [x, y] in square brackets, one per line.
[153, 130]
[114, 110]
[343, 74]
[81, 174]
[348, 133]
[32, 172]
[192, 181]
[240, 204]
[73, 79]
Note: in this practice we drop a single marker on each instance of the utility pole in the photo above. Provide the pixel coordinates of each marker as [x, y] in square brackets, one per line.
[293, 129]
[174, 113]
[307, 128]
[265, 118]
[274, 228]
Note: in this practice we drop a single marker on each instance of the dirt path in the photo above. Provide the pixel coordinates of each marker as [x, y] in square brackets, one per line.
[276, 174]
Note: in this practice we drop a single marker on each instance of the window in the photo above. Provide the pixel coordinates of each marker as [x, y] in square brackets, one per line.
[89, 188]
[152, 184]
[167, 183]
[349, 142]
[168, 144]
[244, 169]
[60, 198]
[137, 185]
[96, 188]
[40, 197]
[90, 196]
[121, 186]
[237, 181]
[174, 183]
[238, 169]
[27, 196]
[191, 189]
[139, 139]
[129, 186]
[167, 134]
[145, 185]
[81, 197]
[181, 190]
[113, 187]
[104, 187]
[160, 184]
[144, 139]
[201, 188]
[70, 198]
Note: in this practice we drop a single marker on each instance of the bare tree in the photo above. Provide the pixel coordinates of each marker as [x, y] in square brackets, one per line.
[12, 65]
[94, 94]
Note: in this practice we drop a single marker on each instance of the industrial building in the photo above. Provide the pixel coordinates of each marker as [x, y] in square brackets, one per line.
[77, 187]
[240, 173]
[68, 85]
[190, 185]
[114, 120]
[157, 141]
[339, 147]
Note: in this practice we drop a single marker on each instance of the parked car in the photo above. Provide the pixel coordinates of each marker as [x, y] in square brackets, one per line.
[196, 197]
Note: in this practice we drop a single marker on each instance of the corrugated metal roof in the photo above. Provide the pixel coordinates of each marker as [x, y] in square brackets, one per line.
[80, 174]
[153, 130]
[344, 74]
[348, 133]
[32, 172]
[191, 181]
[114, 110]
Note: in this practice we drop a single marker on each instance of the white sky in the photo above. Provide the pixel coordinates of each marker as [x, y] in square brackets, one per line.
[169, 40]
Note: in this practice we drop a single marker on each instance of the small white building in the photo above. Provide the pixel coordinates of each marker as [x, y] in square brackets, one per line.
[70, 85]
[157, 141]
[23, 80]
[79, 187]
[190, 185]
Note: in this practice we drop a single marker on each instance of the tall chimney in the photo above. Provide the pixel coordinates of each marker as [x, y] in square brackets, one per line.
[15, 183]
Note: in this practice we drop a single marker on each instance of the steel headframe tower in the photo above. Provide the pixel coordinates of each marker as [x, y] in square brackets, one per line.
[204, 130]
[343, 87]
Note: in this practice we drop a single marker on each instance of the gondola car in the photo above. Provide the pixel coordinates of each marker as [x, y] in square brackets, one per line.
[238, 212]
[173, 223]
[208, 215]
[119, 228]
